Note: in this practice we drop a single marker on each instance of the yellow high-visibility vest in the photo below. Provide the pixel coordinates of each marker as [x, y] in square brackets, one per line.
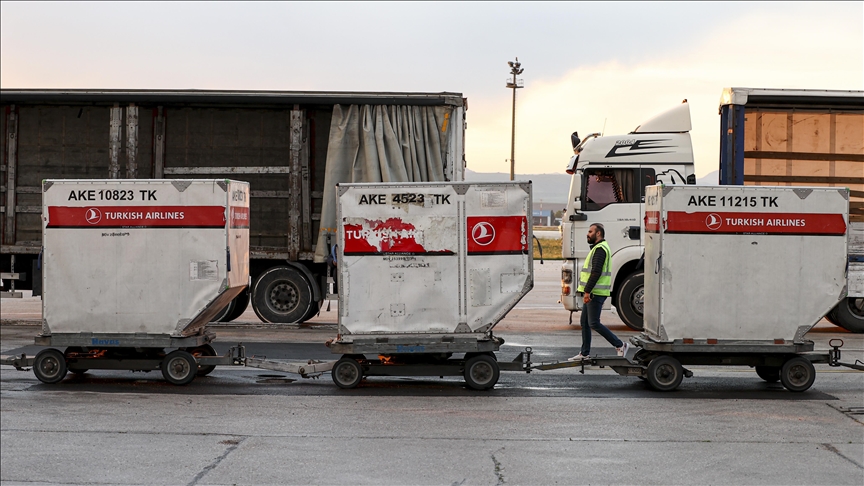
[603, 287]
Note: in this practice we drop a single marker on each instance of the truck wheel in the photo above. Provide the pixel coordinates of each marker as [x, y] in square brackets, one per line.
[849, 314]
[240, 303]
[70, 351]
[282, 295]
[631, 301]
[798, 374]
[50, 366]
[665, 373]
[203, 350]
[179, 367]
[768, 373]
[313, 311]
[347, 373]
[481, 372]
[222, 316]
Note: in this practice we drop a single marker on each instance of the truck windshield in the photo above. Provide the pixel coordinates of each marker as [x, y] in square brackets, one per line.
[609, 186]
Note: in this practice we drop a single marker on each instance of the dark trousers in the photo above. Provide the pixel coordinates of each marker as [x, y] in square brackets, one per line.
[591, 320]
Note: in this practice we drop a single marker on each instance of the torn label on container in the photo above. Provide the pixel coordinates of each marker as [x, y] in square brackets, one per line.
[203, 270]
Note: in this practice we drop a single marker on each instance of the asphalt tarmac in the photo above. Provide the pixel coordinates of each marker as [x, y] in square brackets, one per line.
[247, 426]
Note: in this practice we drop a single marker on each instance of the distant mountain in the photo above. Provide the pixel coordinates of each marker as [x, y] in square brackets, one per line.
[549, 189]
[552, 190]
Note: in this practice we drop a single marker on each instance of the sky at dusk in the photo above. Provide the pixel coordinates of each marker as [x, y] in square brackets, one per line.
[586, 64]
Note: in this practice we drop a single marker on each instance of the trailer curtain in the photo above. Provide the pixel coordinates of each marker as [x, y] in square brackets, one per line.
[381, 143]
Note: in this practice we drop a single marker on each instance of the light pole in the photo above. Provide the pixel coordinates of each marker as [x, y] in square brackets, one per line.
[515, 69]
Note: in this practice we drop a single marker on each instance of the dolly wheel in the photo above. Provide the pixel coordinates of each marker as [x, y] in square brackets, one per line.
[771, 374]
[50, 366]
[481, 372]
[665, 373]
[798, 374]
[179, 368]
[347, 373]
[203, 350]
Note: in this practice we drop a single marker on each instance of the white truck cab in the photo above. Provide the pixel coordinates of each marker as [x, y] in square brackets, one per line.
[608, 187]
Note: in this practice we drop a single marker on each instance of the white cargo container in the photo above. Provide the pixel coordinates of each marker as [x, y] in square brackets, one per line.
[428, 269]
[140, 257]
[742, 264]
[432, 258]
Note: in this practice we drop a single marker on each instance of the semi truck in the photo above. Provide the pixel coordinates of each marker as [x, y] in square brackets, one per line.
[768, 137]
[292, 147]
[610, 174]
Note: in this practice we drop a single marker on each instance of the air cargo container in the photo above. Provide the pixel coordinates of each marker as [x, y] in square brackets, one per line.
[427, 270]
[738, 276]
[743, 264]
[801, 137]
[292, 147]
[136, 266]
[142, 256]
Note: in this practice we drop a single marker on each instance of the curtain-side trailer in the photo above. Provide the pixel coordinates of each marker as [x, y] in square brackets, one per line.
[292, 147]
[788, 137]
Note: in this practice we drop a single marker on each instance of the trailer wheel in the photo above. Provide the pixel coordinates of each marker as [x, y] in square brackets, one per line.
[798, 374]
[631, 301]
[50, 366]
[203, 350]
[282, 295]
[347, 373]
[240, 303]
[179, 367]
[74, 350]
[665, 373]
[771, 374]
[849, 314]
[482, 372]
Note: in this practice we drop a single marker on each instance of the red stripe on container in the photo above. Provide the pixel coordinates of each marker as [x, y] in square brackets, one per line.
[755, 223]
[136, 216]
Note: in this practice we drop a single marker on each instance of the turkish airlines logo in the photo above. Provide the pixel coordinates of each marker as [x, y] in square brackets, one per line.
[713, 221]
[93, 215]
[483, 233]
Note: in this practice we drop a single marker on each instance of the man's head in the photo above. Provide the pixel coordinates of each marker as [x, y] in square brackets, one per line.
[596, 233]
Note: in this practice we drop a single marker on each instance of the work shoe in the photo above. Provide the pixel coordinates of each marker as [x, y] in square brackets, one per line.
[578, 357]
[623, 349]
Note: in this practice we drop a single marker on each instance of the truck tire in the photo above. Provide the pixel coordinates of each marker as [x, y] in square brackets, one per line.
[282, 295]
[849, 314]
[631, 301]
[179, 367]
[482, 372]
[50, 366]
[665, 373]
[797, 374]
[222, 316]
[240, 303]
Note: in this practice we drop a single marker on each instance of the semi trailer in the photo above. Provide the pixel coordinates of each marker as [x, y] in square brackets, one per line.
[786, 137]
[292, 147]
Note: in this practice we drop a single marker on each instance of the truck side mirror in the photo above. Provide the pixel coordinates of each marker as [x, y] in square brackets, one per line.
[574, 140]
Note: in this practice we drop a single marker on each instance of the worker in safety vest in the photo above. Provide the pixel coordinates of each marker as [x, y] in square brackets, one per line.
[595, 284]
